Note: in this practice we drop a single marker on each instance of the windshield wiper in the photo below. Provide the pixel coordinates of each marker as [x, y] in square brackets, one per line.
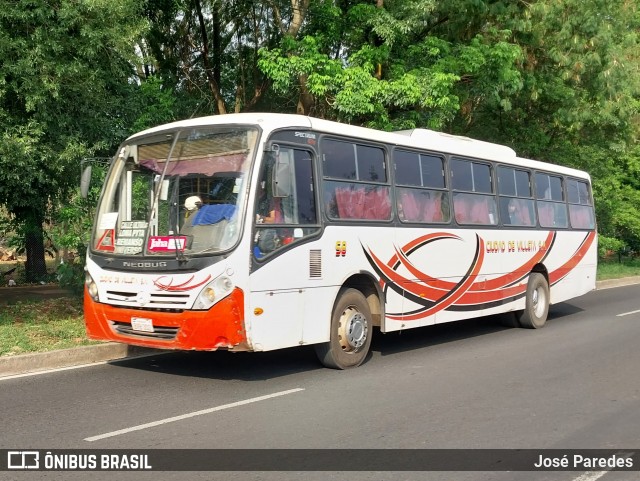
[158, 188]
[173, 202]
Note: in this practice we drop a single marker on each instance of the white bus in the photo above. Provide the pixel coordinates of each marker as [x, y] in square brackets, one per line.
[254, 232]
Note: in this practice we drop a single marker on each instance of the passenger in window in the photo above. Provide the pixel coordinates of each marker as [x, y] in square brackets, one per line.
[191, 206]
[519, 212]
[514, 215]
[268, 212]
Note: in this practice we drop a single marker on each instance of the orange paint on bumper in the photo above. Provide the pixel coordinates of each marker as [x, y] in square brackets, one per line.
[222, 326]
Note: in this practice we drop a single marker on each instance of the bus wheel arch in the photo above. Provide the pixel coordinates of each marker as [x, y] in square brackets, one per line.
[356, 310]
[370, 289]
[537, 300]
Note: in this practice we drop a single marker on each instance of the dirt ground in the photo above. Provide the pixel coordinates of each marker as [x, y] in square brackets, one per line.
[11, 295]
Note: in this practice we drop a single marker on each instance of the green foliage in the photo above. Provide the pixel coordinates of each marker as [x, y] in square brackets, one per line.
[609, 245]
[71, 226]
[65, 80]
[70, 274]
[383, 68]
[555, 79]
[21, 178]
[156, 104]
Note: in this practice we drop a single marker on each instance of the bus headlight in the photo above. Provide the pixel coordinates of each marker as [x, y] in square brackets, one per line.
[216, 290]
[92, 288]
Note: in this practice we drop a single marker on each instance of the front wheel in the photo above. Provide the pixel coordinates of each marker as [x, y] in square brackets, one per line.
[350, 336]
[536, 308]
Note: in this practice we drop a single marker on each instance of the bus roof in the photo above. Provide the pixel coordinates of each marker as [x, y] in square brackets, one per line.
[560, 169]
[416, 138]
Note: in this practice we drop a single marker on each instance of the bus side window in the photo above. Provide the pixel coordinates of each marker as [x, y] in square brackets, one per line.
[581, 216]
[474, 209]
[552, 210]
[580, 208]
[281, 221]
[355, 185]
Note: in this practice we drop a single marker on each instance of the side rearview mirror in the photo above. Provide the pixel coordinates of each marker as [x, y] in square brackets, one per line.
[85, 181]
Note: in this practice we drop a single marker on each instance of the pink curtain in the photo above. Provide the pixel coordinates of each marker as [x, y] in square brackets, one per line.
[350, 202]
[545, 212]
[433, 209]
[408, 205]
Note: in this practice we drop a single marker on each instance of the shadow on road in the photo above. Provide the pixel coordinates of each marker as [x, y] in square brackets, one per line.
[224, 365]
[429, 336]
[260, 366]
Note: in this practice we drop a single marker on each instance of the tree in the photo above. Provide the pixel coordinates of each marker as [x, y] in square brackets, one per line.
[66, 72]
[389, 65]
[579, 101]
[207, 51]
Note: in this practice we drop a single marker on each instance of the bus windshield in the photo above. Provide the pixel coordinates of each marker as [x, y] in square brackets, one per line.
[177, 193]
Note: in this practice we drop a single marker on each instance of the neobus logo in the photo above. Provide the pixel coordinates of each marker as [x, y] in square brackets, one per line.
[144, 264]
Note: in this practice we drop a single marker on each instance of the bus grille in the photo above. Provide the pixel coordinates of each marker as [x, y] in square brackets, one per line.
[159, 332]
[155, 300]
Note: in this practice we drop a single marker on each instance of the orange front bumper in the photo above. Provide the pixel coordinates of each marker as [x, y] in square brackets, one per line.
[222, 326]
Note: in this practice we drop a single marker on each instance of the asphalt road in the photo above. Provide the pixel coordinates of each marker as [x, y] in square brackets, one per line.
[473, 384]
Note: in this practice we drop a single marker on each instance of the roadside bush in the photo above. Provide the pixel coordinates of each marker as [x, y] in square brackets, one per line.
[609, 245]
[71, 274]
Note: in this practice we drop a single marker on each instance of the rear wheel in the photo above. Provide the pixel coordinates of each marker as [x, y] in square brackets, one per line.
[351, 330]
[536, 308]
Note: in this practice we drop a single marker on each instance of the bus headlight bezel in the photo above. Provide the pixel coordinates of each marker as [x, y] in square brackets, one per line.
[92, 287]
[214, 292]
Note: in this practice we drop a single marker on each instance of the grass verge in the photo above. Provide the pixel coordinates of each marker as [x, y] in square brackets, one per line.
[614, 269]
[42, 325]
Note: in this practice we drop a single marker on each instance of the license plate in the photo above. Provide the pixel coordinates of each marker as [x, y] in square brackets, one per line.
[141, 324]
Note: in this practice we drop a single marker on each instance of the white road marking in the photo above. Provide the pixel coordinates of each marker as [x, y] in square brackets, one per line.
[48, 371]
[193, 414]
[78, 366]
[627, 313]
[591, 476]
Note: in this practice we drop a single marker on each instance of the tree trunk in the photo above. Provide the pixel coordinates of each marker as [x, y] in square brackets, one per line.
[299, 9]
[211, 75]
[35, 267]
[306, 99]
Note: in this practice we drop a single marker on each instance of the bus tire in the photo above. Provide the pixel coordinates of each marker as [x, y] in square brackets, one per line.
[351, 330]
[536, 308]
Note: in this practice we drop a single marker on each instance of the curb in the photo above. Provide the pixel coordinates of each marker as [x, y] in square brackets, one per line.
[113, 351]
[623, 281]
[77, 356]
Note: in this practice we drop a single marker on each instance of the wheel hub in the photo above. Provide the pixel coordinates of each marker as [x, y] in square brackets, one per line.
[352, 333]
[538, 302]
